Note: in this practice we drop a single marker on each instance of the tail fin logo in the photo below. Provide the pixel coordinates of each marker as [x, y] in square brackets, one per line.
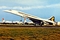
[52, 18]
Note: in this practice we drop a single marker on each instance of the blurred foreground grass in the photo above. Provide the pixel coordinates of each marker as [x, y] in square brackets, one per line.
[30, 33]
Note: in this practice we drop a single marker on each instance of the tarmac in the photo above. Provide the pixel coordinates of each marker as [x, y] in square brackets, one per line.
[25, 25]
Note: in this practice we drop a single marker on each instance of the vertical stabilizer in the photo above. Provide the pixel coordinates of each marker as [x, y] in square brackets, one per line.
[52, 18]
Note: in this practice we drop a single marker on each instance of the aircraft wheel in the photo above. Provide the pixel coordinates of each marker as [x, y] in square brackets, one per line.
[41, 23]
[34, 24]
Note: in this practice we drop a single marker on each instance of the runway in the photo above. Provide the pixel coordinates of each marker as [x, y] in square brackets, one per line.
[24, 25]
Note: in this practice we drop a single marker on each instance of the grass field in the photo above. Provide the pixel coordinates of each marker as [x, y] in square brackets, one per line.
[29, 33]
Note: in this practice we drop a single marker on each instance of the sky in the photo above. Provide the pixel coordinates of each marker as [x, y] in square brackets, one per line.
[40, 8]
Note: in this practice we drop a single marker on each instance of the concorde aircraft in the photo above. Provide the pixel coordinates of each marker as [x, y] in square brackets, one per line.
[34, 19]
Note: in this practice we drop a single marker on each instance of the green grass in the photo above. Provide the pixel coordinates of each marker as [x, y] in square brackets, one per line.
[31, 33]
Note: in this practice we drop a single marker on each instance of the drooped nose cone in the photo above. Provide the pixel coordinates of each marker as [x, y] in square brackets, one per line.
[15, 12]
[11, 11]
[7, 10]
